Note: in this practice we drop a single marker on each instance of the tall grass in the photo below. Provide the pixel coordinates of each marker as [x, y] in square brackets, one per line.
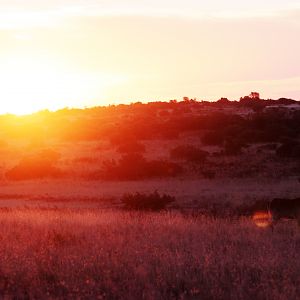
[93, 254]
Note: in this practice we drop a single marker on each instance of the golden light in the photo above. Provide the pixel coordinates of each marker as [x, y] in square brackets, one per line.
[29, 19]
[262, 219]
[31, 84]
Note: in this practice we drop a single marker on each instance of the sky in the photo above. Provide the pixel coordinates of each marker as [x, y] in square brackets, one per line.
[76, 53]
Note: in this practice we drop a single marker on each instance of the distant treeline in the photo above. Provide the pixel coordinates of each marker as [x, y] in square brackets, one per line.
[249, 119]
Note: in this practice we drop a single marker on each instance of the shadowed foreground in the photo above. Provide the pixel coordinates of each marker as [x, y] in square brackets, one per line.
[95, 254]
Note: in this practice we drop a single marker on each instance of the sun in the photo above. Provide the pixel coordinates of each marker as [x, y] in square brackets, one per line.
[30, 84]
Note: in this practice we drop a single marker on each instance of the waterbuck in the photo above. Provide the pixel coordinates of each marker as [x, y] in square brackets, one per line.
[284, 209]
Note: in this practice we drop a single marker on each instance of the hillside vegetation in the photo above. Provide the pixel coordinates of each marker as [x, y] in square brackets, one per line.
[236, 139]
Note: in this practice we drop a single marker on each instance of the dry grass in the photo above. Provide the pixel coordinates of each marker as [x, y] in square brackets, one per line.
[92, 254]
[188, 193]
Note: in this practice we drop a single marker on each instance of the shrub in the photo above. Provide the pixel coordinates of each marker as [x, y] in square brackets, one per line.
[189, 153]
[161, 168]
[32, 169]
[153, 201]
[39, 165]
[134, 166]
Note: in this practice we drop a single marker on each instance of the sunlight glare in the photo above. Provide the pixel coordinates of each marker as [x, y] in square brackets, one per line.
[29, 85]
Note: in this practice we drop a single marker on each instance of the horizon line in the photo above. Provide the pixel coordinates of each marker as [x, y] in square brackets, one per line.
[116, 104]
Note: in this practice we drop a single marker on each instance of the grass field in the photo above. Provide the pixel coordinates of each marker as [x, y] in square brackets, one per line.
[97, 254]
[188, 192]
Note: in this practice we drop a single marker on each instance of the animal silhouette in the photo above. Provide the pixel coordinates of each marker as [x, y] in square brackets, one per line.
[280, 208]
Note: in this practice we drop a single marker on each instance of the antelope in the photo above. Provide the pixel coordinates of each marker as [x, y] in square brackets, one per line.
[284, 209]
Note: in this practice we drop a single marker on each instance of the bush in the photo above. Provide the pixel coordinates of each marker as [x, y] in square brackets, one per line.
[153, 201]
[189, 153]
[161, 168]
[32, 169]
[39, 165]
[134, 166]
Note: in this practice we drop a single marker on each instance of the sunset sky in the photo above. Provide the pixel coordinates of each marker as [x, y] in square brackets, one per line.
[74, 53]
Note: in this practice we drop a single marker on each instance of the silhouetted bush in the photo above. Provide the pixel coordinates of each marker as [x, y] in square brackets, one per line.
[39, 165]
[154, 201]
[161, 168]
[134, 166]
[189, 153]
[223, 102]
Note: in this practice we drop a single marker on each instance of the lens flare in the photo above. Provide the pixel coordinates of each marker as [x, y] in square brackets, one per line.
[262, 219]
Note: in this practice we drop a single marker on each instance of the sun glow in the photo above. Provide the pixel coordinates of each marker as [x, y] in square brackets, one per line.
[29, 85]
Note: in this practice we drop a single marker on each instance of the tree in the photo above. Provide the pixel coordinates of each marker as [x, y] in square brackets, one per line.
[254, 95]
